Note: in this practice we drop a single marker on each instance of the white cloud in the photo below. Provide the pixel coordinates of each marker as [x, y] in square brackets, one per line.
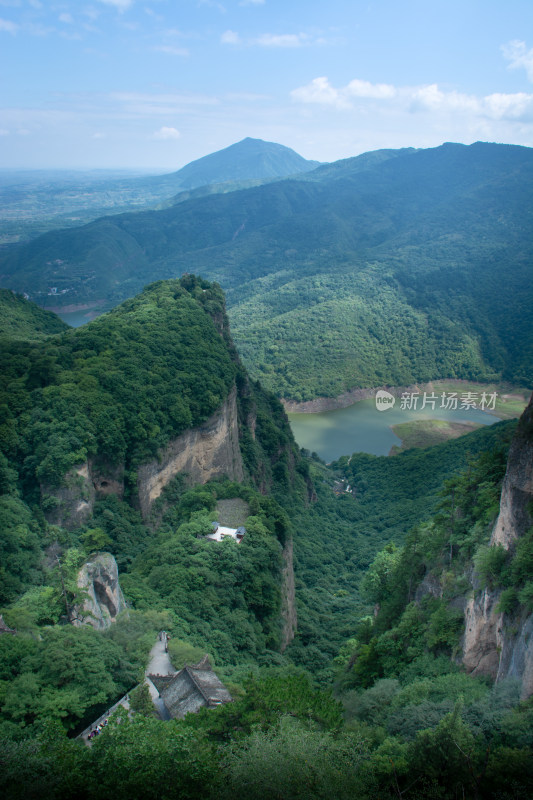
[122, 5]
[509, 106]
[171, 50]
[8, 26]
[3, 132]
[322, 92]
[252, 3]
[382, 91]
[91, 13]
[167, 133]
[66, 18]
[282, 40]
[148, 104]
[428, 99]
[519, 57]
[230, 37]
[431, 98]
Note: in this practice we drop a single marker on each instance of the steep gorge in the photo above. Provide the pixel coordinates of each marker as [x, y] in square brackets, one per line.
[495, 643]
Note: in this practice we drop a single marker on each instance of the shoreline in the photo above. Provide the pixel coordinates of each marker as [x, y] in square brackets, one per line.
[353, 396]
[73, 308]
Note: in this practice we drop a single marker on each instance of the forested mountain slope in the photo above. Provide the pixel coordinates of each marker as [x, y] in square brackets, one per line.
[119, 391]
[32, 202]
[89, 418]
[20, 319]
[388, 268]
[384, 631]
[250, 159]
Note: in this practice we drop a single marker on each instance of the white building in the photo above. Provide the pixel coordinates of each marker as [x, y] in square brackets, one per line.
[220, 532]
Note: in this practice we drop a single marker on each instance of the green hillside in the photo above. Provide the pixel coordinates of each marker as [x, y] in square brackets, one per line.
[386, 268]
[365, 701]
[21, 319]
[35, 201]
[250, 159]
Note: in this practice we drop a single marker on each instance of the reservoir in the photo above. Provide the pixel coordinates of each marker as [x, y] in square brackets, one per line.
[361, 428]
[77, 318]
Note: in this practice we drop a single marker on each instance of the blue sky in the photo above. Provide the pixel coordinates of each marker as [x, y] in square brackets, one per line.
[158, 83]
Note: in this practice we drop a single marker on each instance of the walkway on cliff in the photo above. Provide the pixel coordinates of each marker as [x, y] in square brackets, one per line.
[159, 664]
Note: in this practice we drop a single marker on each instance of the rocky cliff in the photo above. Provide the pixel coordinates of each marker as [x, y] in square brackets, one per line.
[103, 601]
[72, 504]
[497, 644]
[288, 597]
[205, 452]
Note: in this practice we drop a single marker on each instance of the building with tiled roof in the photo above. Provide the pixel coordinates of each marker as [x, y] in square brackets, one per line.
[190, 689]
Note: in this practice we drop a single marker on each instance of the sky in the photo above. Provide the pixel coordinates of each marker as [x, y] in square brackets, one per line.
[158, 83]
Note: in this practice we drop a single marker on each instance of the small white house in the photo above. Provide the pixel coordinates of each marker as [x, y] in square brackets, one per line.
[221, 532]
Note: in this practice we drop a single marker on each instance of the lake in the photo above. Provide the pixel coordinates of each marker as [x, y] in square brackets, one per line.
[362, 428]
[78, 318]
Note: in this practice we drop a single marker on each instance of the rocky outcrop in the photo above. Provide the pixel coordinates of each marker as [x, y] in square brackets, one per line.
[208, 451]
[517, 490]
[496, 644]
[483, 635]
[103, 599]
[288, 597]
[71, 504]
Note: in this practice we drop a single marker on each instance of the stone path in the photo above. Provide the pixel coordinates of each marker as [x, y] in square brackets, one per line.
[159, 664]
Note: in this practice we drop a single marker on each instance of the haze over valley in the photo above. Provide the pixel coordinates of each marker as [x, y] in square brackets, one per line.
[266, 412]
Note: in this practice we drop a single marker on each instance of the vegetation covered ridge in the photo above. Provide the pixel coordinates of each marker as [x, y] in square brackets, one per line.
[374, 270]
[21, 319]
[403, 720]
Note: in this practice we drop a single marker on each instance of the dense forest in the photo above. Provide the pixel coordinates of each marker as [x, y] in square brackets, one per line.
[382, 269]
[368, 700]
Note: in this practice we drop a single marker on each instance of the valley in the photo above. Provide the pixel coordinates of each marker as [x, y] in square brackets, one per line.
[384, 268]
[338, 427]
[372, 627]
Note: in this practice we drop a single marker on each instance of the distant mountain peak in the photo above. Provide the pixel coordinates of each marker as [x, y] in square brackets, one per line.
[249, 159]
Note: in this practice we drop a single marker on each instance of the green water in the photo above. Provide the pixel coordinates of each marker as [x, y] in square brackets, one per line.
[78, 318]
[361, 428]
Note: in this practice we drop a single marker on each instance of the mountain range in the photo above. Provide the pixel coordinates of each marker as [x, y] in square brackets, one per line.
[392, 267]
[32, 202]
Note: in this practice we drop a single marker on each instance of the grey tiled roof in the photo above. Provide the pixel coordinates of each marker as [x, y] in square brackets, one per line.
[191, 688]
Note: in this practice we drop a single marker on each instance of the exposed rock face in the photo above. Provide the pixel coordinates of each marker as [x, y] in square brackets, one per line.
[495, 644]
[517, 490]
[288, 597]
[208, 451]
[74, 501]
[99, 579]
[483, 635]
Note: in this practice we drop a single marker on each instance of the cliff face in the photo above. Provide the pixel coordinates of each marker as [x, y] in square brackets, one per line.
[208, 451]
[517, 490]
[288, 597]
[73, 503]
[98, 578]
[496, 644]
